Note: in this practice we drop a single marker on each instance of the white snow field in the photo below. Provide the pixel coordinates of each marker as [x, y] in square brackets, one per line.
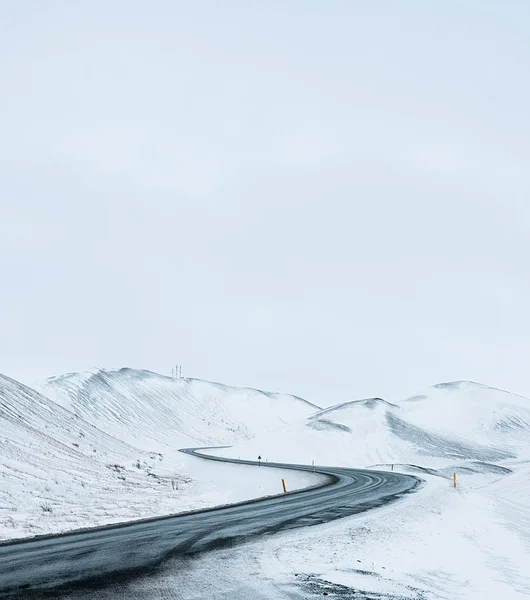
[58, 471]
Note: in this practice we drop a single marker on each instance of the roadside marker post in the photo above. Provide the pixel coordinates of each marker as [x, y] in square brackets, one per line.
[283, 484]
[313, 464]
[259, 461]
[454, 480]
[392, 467]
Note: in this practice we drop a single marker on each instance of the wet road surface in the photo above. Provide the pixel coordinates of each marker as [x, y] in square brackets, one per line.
[99, 556]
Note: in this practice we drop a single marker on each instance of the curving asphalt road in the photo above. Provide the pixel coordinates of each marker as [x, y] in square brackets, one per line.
[98, 556]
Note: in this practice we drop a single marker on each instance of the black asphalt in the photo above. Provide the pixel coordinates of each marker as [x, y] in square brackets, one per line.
[98, 556]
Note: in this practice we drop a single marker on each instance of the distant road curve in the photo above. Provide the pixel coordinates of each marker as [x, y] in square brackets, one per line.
[97, 556]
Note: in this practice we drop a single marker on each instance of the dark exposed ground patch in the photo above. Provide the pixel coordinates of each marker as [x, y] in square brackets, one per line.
[474, 468]
[471, 468]
[417, 398]
[375, 402]
[450, 385]
[317, 588]
[419, 469]
[367, 402]
[490, 468]
[327, 425]
[511, 423]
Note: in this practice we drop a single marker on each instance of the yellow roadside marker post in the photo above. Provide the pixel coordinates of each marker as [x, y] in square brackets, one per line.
[283, 484]
[454, 480]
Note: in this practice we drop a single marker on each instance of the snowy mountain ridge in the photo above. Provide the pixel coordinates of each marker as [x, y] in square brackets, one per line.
[146, 408]
[457, 421]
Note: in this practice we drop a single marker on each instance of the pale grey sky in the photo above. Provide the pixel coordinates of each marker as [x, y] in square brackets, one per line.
[325, 198]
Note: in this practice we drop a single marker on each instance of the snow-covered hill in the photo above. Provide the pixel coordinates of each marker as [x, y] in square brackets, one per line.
[474, 412]
[446, 425]
[58, 471]
[148, 409]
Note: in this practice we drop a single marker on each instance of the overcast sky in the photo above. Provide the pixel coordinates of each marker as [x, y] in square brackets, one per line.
[328, 198]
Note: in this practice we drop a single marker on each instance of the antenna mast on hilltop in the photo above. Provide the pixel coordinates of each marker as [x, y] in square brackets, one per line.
[176, 372]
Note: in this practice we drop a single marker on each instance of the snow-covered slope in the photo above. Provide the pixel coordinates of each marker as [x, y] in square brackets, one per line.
[55, 467]
[444, 425]
[148, 409]
[35, 430]
[59, 472]
[473, 411]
